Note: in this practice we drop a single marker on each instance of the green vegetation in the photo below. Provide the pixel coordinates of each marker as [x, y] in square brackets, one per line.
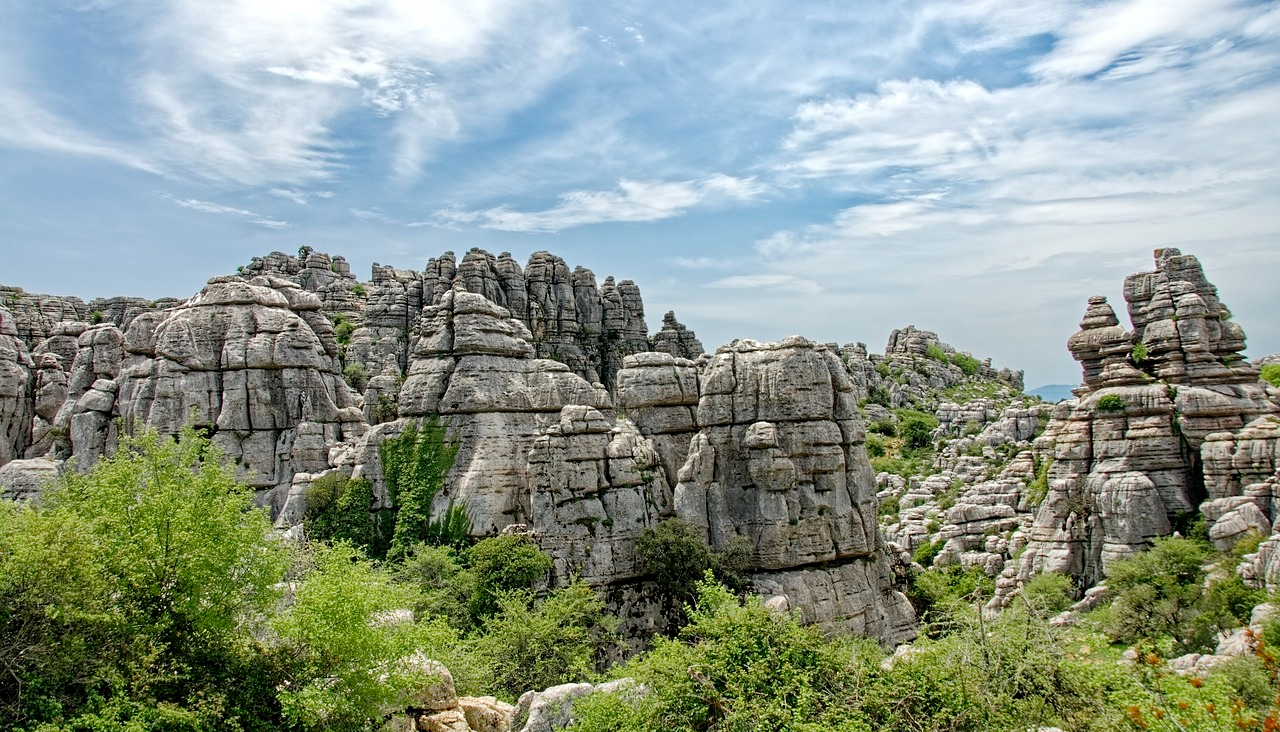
[96, 317]
[358, 290]
[1139, 354]
[1110, 403]
[340, 509]
[414, 465]
[675, 556]
[1270, 373]
[1038, 489]
[356, 375]
[342, 328]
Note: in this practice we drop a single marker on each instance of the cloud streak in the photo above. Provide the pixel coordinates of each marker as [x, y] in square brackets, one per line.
[221, 210]
[631, 202]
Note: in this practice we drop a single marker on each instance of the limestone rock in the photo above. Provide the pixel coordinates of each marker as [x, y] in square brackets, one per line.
[1169, 416]
[780, 460]
[25, 480]
[675, 339]
[17, 387]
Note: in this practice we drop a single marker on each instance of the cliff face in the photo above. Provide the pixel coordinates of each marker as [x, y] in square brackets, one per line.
[1170, 420]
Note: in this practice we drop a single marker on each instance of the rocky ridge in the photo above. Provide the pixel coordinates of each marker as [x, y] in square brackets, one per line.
[262, 362]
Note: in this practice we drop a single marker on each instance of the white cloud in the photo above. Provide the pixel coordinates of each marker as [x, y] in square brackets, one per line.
[263, 93]
[632, 201]
[219, 209]
[302, 198]
[782, 282]
[1103, 33]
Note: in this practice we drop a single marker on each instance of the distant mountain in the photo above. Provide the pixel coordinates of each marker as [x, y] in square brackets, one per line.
[1054, 392]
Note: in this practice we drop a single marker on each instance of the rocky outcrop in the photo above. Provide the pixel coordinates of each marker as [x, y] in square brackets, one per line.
[780, 461]
[595, 487]
[1170, 420]
[675, 339]
[659, 393]
[16, 391]
[473, 366]
[253, 363]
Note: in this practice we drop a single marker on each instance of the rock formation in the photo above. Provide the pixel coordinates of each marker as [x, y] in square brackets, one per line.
[779, 459]
[1170, 420]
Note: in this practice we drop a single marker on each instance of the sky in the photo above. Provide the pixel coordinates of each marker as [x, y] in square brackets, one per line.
[832, 169]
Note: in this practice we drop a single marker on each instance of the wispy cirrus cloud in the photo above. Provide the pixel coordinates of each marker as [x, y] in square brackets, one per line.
[632, 201]
[221, 210]
[302, 198]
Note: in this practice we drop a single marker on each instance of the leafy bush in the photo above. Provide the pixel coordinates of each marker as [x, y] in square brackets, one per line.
[968, 364]
[875, 446]
[1270, 373]
[356, 375]
[1110, 403]
[924, 554]
[564, 638]
[916, 429]
[675, 556]
[352, 650]
[1157, 596]
[126, 596]
[415, 464]
[501, 564]
[736, 666]
[1038, 488]
[1139, 354]
[339, 509]
[883, 427]
[934, 352]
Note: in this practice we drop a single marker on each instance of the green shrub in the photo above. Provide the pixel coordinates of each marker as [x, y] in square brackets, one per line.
[968, 364]
[358, 290]
[566, 637]
[1157, 596]
[934, 352]
[1048, 594]
[883, 427]
[341, 627]
[736, 666]
[1110, 403]
[925, 553]
[1270, 373]
[916, 430]
[1038, 488]
[501, 564]
[132, 593]
[674, 555]
[356, 375]
[96, 317]
[875, 446]
[340, 509]
[1139, 354]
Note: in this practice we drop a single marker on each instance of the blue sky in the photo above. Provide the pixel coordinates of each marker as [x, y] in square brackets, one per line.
[974, 167]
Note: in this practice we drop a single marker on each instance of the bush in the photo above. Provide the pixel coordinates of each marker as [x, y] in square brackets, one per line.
[968, 364]
[1139, 354]
[875, 446]
[501, 564]
[356, 376]
[934, 352]
[564, 638]
[925, 553]
[133, 591]
[339, 509]
[1110, 403]
[351, 649]
[1038, 488]
[1157, 596]
[917, 431]
[674, 555]
[736, 666]
[1270, 373]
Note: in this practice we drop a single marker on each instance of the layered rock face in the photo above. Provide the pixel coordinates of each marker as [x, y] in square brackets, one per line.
[1169, 420]
[252, 363]
[16, 390]
[780, 462]
[473, 366]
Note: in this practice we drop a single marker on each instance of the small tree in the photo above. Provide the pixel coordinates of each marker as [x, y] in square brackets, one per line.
[1157, 594]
